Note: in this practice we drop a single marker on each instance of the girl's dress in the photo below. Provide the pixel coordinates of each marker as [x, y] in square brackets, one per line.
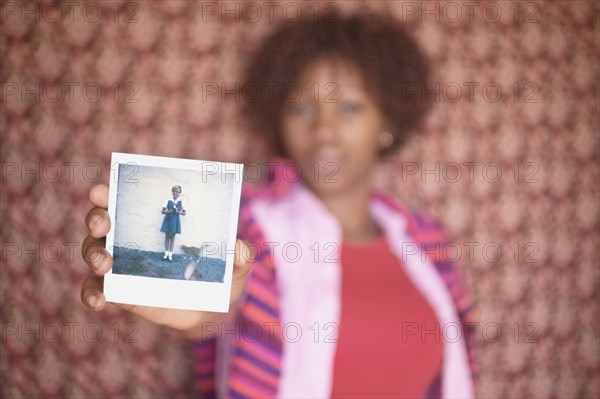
[171, 223]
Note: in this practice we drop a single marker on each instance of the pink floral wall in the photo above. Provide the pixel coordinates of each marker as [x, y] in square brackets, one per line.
[508, 161]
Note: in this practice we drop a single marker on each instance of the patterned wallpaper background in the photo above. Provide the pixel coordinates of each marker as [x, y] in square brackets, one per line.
[508, 161]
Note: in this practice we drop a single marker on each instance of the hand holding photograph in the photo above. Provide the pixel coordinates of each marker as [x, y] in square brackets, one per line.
[174, 231]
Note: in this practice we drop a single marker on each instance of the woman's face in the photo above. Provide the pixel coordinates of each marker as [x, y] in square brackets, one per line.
[332, 129]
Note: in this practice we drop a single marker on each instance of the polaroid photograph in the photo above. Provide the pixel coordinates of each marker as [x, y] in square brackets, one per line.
[173, 231]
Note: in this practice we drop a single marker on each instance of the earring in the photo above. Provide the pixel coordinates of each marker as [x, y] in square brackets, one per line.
[386, 139]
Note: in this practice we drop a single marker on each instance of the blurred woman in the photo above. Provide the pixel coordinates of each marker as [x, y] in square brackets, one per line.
[364, 305]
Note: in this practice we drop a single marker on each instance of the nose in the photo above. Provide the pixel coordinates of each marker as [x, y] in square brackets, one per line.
[324, 126]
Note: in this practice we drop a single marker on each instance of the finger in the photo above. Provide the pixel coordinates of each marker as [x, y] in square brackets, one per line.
[92, 296]
[98, 195]
[95, 255]
[98, 222]
[91, 293]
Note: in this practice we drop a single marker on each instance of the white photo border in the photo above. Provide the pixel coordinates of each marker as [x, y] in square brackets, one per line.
[169, 293]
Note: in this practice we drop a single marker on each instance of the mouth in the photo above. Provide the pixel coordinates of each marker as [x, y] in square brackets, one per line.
[327, 155]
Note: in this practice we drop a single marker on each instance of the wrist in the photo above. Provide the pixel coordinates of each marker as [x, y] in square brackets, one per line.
[206, 329]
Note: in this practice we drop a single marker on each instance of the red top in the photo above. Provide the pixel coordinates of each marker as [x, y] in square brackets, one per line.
[390, 344]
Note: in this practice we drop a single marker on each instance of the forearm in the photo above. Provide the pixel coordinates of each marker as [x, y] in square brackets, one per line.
[204, 330]
[213, 327]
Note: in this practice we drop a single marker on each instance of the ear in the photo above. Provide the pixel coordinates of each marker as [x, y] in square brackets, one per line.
[386, 126]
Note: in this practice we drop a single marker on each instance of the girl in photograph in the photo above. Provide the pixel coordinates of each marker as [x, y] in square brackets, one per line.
[373, 293]
[171, 224]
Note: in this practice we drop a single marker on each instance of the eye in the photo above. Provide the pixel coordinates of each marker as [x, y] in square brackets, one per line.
[347, 109]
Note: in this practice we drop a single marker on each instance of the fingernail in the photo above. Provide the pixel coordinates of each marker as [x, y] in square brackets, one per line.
[92, 300]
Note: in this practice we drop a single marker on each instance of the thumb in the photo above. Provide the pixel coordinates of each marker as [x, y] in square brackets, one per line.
[244, 257]
[243, 260]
